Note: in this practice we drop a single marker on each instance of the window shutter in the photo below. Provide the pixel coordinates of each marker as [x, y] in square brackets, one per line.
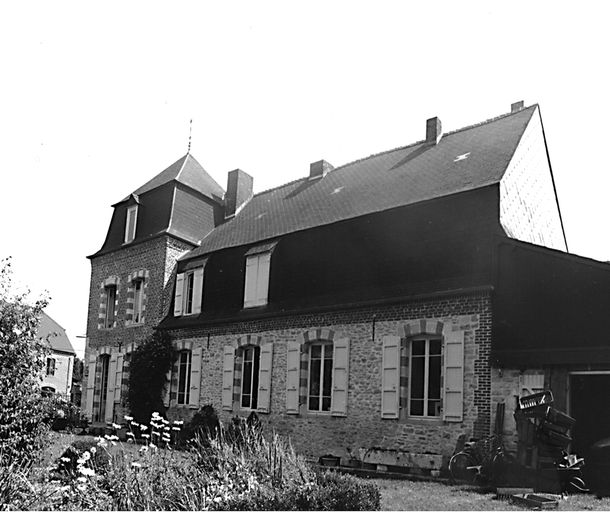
[110, 392]
[118, 379]
[178, 295]
[264, 377]
[195, 376]
[227, 377]
[168, 388]
[390, 377]
[293, 370]
[90, 387]
[197, 289]
[340, 377]
[454, 376]
[250, 282]
[262, 282]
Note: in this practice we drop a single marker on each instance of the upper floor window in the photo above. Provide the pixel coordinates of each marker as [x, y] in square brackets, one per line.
[189, 291]
[184, 377]
[249, 381]
[50, 366]
[130, 223]
[138, 300]
[320, 377]
[110, 306]
[425, 377]
[256, 286]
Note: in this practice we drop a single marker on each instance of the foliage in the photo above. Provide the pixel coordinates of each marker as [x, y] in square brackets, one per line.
[14, 484]
[62, 413]
[148, 367]
[203, 424]
[22, 407]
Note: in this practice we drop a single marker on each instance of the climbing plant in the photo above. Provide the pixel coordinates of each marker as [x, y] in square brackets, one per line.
[148, 367]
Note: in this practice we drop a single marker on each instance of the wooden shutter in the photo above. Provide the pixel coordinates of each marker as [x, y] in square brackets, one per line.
[109, 417]
[453, 403]
[250, 281]
[178, 294]
[195, 376]
[262, 281]
[390, 377]
[227, 377]
[90, 387]
[168, 388]
[340, 377]
[264, 377]
[197, 289]
[118, 378]
[293, 374]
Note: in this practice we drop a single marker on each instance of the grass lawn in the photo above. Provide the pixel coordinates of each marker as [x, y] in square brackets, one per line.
[407, 495]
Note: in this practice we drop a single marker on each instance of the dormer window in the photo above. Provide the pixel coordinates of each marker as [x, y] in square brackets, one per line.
[130, 223]
[256, 287]
[189, 289]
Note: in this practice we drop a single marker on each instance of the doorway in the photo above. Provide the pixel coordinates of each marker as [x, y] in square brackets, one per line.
[589, 405]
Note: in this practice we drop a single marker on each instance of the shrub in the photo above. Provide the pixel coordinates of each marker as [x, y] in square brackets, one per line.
[14, 485]
[203, 424]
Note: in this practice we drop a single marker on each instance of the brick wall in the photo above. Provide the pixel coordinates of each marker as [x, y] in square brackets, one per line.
[317, 434]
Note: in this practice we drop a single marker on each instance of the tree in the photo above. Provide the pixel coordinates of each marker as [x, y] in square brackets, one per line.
[23, 410]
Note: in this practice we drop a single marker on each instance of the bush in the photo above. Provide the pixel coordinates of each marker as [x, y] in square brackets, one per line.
[204, 424]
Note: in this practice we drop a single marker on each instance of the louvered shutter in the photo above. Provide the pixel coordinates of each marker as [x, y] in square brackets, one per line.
[110, 392]
[264, 377]
[262, 282]
[90, 387]
[168, 388]
[293, 367]
[195, 376]
[250, 281]
[178, 295]
[340, 377]
[390, 377]
[453, 403]
[227, 377]
[197, 289]
[118, 378]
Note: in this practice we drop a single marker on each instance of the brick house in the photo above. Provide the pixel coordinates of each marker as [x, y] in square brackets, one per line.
[57, 376]
[391, 302]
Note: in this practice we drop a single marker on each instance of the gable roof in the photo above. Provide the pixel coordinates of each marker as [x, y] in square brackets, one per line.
[187, 171]
[58, 342]
[469, 158]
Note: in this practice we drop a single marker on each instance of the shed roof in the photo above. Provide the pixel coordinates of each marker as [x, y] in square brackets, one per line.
[59, 339]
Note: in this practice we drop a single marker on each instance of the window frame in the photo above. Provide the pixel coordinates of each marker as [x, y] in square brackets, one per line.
[257, 294]
[188, 286]
[326, 347]
[184, 370]
[104, 361]
[110, 305]
[51, 365]
[255, 372]
[138, 300]
[130, 234]
[426, 377]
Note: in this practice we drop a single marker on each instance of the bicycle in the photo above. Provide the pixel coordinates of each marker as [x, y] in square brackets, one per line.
[480, 461]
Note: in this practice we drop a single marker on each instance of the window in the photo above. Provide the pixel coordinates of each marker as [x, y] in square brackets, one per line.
[138, 302]
[257, 280]
[189, 286]
[104, 362]
[250, 374]
[130, 223]
[50, 366]
[320, 377]
[425, 377]
[189, 291]
[110, 306]
[184, 377]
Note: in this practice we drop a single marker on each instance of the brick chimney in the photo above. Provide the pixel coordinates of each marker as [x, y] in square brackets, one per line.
[434, 130]
[319, 169]
[515, 107]
[239, 191]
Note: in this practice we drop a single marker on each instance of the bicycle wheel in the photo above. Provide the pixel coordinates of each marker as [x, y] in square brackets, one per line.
[461, 467]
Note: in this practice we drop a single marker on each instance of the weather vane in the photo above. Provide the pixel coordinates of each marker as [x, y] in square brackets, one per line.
[190, 135]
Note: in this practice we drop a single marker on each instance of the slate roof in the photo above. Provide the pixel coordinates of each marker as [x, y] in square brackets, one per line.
[187, 171]
[395, 178]
[60, 343]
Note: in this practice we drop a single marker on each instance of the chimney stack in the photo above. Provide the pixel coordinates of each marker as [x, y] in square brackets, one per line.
[434, 130]
[319, 169]
[515, 107]
[239, 191]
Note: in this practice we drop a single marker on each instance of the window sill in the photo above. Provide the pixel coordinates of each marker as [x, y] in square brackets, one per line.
[435, 420]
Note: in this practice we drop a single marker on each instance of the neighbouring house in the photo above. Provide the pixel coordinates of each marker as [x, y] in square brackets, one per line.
[57, 375]
[391, 302]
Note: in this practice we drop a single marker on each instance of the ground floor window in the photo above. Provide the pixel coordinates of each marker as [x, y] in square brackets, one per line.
[250, 375]
[425, 377]
[184, 377]
[104, 362]
[320, 377]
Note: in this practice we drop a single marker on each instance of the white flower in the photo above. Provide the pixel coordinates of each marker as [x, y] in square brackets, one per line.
[145, 436]
[93, 449]
[116, 427]
[65, 459]
[176, 428]
[81, 488]
[176, 422]
[135, 423]
[102, 442]
[136, 465]
[143, 427]
[86, 456]
[144, 449]
[156, 415]
[113, 438]
[153, 446]
[130, 434]
[128, 418]
[86, 471]
[81, 479]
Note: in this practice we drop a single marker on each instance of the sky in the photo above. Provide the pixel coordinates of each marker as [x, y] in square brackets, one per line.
[96, 99]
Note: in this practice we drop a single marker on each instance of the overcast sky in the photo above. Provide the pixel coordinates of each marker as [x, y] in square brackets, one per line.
[96, 99]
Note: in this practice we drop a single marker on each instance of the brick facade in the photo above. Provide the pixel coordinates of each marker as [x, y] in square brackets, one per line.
[318, 433]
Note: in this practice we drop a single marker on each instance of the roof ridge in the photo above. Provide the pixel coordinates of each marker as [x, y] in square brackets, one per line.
[185, 158]
[399, 148]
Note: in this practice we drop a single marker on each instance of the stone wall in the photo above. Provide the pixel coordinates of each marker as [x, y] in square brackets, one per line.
[316, 434]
